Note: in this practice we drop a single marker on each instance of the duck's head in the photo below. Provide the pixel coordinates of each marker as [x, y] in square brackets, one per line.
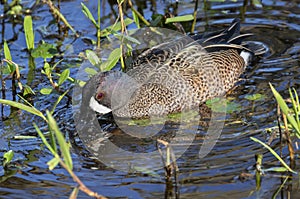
[97, 93]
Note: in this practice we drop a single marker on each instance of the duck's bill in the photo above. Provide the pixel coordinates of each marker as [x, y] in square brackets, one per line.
[98, 107]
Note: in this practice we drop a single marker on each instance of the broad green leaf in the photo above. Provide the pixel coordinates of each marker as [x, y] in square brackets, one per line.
[7, 55]
[90, 71]
[112, 60]
[274, 153]
[63, 77]
[126, 38]
[179, 19]
[21, 106]
[116, 27]
[28, 30]
[92, 57]
[47, 69]
[8, 156]
[44, 50]
[64, 146]
[53, 163]
[46, 91]
[285, 109]
[89, 15]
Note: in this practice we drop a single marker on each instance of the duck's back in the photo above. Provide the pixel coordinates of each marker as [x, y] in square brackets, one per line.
[184, 73]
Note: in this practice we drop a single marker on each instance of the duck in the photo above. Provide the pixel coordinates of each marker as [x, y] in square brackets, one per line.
[172, 76]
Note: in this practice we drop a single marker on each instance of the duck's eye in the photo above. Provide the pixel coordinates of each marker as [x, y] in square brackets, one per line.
[100, 95]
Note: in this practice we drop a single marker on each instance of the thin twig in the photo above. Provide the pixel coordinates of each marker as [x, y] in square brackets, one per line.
[82, 187]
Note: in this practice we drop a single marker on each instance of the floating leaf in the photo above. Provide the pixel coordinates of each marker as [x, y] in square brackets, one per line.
[276, 169]
[255, 97]
[222, 105]
[179, 19]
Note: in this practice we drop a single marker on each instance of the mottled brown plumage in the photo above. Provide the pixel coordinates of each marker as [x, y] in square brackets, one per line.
[173, 76]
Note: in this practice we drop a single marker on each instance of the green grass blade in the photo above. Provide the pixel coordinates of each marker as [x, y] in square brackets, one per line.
[44, 140]
[274, 153]
[23, 107]
[89, 15]
[58, 100]
[28, 30]
[64, 146]
[53, 163]
[285, 109]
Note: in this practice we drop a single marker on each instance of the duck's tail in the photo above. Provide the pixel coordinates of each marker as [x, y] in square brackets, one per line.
[230, 38]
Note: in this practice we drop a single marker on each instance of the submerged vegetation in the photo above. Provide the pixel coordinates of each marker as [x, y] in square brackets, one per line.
[60, 82]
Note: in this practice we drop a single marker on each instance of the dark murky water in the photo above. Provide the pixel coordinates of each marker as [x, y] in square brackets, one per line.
[219, 174]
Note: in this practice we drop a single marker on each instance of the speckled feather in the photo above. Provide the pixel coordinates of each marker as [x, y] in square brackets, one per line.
[178, 75]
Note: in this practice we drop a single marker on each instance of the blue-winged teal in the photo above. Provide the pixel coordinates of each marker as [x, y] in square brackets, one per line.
[171, 76]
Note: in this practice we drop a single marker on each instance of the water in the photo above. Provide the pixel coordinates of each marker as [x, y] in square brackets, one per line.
[227, 171]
